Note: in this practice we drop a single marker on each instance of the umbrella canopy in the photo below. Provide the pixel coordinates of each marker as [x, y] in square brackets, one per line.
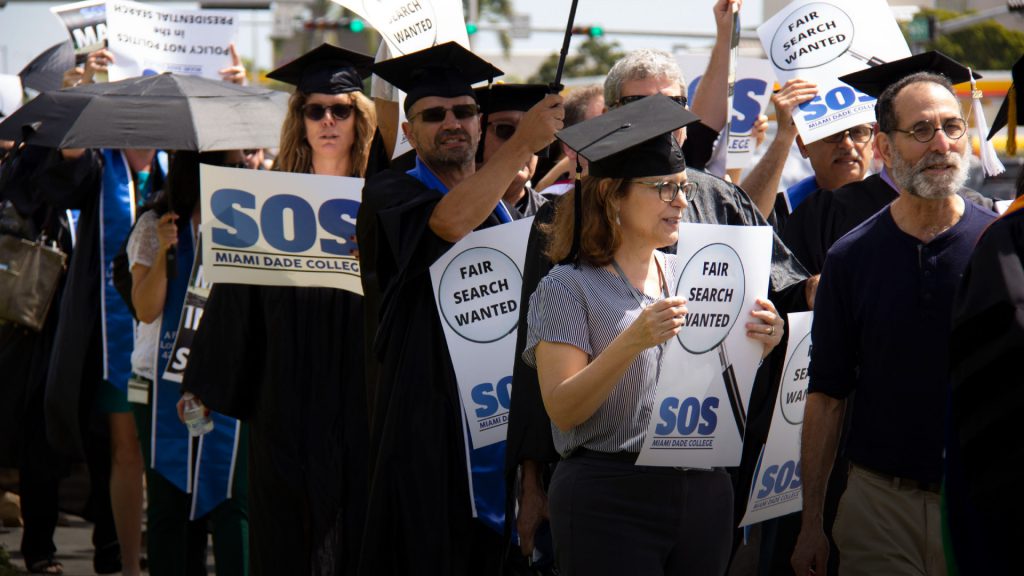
[165, 111]
[46, 71]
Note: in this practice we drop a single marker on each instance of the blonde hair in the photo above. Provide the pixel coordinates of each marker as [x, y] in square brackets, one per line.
[297, 156]
[600, 236]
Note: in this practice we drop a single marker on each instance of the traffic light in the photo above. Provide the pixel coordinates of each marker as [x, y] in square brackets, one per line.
[592, 31]
[356, 25]
[471, 28]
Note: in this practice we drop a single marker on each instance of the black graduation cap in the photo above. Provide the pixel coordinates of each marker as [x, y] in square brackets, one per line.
[445, 70]
[499, 97]
[1013, 100]
[632, 141]
[873, 81]
[326, 69]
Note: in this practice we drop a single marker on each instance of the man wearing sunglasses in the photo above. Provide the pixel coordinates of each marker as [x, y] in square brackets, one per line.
[890, 349]
[419, 510]
[503, 107]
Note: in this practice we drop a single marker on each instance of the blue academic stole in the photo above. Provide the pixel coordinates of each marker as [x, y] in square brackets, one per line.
[210, 479]
[117, 213]
[487, 464]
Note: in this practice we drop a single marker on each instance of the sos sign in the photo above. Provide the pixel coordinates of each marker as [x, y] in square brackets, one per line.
[286, 222]
[490, 398]
[687, 415]
[779, 479]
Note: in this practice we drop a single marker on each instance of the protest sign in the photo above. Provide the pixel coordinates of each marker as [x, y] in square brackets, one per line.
[146, 39]
[477, 286]
[191, 315]
[86, 23]
[412, 25]
[10, 94]
[821, 40]
[777, 487]
[755, 79]
[253, 233]
[707, 370]
[402, 144]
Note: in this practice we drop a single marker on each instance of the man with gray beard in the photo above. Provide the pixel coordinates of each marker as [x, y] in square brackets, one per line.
[881, 328]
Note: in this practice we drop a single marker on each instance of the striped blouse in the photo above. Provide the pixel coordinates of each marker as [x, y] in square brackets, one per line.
[587, 308]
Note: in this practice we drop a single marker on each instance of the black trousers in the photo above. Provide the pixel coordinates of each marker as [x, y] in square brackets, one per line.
[613, 517]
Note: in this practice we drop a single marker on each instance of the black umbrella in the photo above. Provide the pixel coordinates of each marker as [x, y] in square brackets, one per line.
[165, 111]
[46, 71]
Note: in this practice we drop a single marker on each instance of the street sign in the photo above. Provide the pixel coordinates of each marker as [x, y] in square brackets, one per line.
[520, 26]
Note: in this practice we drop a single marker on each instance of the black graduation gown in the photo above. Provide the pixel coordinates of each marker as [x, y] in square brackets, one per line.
[987, 343]
[289, 362]
[418, 517]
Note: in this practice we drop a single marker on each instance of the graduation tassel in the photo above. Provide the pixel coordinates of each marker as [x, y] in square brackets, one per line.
[989, 160]
[1011, 121]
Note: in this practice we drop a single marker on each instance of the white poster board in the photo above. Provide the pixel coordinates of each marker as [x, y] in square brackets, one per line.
[256, 233]
[477, 286]
[146, 39]
[708, 369]
[10, 93]
[777, 487]
[409, 27]
[86, 22]
[821, 40]
[755, 80]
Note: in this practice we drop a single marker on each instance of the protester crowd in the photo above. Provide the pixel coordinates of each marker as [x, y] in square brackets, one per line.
[338, 441]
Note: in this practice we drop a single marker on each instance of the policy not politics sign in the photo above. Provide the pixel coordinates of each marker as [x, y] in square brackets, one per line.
[147, 39]
[707, 371]
[777, 487]
[477, 286]
[86, 23]
[821, 40]
[280, 228]
[409, 26]
[755, 79]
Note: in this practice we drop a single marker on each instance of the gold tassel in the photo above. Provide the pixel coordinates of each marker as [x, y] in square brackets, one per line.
[1011, 121]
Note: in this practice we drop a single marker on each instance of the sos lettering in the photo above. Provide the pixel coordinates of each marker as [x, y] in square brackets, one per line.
[490, 397]
[837, 99]
[745, 108]
[235, 209]
[687, 416]
[778, 479]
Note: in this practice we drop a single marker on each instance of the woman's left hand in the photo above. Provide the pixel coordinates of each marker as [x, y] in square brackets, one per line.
[768, 327]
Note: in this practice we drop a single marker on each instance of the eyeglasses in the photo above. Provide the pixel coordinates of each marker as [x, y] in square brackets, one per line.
[923, 131]
[859, 135]
[316, 112]
[668, 191]
[439, 113]
[681, 100]
[503, 131]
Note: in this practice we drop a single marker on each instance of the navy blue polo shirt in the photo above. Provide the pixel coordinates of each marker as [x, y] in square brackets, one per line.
[882, 319]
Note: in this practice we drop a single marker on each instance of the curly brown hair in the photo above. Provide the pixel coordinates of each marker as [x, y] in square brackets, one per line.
[600, 236]
[296, 155]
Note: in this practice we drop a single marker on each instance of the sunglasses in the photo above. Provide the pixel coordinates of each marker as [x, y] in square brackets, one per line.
[316, 112]
[681, 100]
[503, 131]
[439, 113]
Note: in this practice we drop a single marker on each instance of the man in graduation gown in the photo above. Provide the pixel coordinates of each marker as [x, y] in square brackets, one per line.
[419, 517]
[502, 107]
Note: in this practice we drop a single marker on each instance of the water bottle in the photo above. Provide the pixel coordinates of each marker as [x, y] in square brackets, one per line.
[195, 416]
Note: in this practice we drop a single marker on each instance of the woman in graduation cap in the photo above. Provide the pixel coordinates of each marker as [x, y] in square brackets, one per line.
[290, 360]
[597, 328]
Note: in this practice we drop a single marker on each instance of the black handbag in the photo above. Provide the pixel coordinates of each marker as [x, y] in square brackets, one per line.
[29, 274]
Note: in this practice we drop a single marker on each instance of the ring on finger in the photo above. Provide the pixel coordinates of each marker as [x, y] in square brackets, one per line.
[771, 330]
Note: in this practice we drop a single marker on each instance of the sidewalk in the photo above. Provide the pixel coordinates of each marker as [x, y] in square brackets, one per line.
[74, 546]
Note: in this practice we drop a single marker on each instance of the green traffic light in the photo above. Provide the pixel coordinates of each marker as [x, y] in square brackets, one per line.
[595, 31]
[357, 25]
[471, 28]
